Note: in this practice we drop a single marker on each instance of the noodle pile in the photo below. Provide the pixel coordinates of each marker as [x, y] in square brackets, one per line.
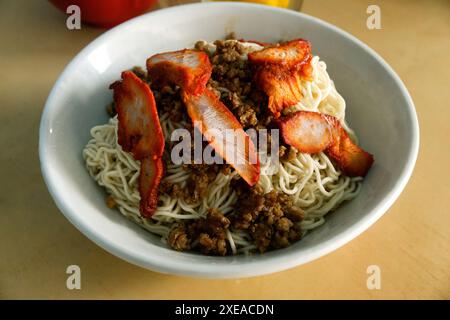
[312, 181]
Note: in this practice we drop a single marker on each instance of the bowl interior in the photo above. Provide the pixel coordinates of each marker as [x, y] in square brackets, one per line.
[378, 109]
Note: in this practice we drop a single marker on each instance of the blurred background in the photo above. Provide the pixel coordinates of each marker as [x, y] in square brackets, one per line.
[108, 13]
[410, 243]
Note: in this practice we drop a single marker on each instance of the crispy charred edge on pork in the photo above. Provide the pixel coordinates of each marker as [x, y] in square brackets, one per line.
[279, 70]
[139, 132]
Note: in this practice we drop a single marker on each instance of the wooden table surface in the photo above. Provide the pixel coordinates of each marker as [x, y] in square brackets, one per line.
[410, 244]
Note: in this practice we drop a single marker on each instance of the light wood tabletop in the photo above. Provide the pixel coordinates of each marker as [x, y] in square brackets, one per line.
[410, 243]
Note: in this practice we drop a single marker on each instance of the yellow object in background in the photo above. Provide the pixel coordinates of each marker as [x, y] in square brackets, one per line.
[274, 3]
[288, 4]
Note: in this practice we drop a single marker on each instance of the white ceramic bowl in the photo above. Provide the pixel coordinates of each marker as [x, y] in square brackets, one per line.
[379, 108]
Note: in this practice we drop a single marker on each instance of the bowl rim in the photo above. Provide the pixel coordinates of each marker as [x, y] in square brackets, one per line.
[266, 266]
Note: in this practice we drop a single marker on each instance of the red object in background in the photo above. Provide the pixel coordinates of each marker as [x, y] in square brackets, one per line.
[106, 13]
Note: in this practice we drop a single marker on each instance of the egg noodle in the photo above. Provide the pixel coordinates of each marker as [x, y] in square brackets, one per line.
[313, 182]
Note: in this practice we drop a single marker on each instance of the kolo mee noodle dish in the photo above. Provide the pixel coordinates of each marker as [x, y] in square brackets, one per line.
[230, 147]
